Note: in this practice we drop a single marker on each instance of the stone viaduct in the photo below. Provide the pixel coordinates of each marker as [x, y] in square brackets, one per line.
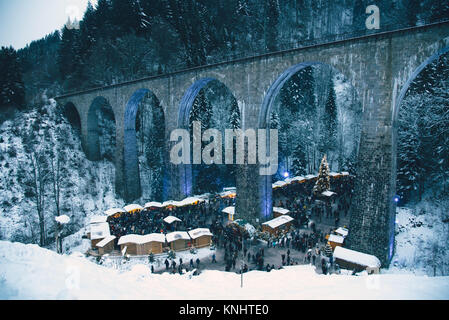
[380, 66]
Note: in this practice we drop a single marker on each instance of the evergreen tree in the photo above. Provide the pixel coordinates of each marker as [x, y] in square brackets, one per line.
[323, 182]
[12, 91]
[299, 164]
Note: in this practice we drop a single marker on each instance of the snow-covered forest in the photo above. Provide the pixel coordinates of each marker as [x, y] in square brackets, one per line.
[44, 172]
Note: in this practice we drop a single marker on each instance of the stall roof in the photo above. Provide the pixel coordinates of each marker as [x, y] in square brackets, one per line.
[99, 231]
[113, 211]
[98, 219]
[345, 173]
[279, 221]
[172, 203]
[229, 210]
[228, 194]
[138, 239]
[190, 201]
[310, 176]
[342, 231]
[359, 258]
[132, 207]
[336, 238]
[299, 179]
[153, 204]
[328, 193]
[177, 235]
[281, 210]
[105, 241]
[196, 233]
[171, 219]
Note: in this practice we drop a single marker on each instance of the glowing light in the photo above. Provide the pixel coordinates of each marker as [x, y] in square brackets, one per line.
[286, 174]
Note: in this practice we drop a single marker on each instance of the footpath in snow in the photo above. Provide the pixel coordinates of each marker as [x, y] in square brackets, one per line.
[31, 272]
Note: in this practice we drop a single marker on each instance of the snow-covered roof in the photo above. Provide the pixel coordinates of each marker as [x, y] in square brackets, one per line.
[63, 219]
[196, 233]
[328, 193]
[171, 219]
[334, 174]
[153, 204]
[279, 221]
[300, 178]
[105, 241]
[228, 193]
[173, 203]
[278, 184]
[310, 176]
[281, 210]
[345, 173]
[98, 219]
[229, 210]
[99, 231]
[336, 238]
[342, 231]
[190, 201]
[132, 207]
[359, 258]
[113, 211]
[177, 235]
[230, 189]
[139, 239]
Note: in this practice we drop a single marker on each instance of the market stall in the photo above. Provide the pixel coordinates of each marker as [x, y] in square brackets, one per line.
[277, 225]
[178, 240]
[201, 237]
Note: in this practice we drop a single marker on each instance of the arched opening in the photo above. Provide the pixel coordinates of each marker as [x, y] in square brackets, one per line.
[316, 112]
[144, 141]
[101, 129]
[421, 166]
[71, 114]
[209, 102]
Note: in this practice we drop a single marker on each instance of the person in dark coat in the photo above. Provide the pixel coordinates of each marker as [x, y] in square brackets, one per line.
[198, 262]
[167, 264]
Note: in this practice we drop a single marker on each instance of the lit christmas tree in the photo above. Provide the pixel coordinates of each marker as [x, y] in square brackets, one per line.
[323, 182]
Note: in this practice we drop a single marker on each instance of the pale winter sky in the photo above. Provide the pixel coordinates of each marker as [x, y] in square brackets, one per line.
[22, 21]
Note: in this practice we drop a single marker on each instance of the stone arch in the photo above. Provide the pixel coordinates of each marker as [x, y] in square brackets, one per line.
[92, 144]
[400, 97]
[185, 107]
[133, 187]
[71, 113]
[265, 182]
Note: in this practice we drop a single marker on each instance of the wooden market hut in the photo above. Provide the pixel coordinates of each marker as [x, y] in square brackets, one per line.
[277, 225]
[342, 231]
[178, 240]
[142, 245]
[114, 213]
[356, 261]
[106, 245]
[335, 240]
[133, 208]
[98, 231]
[230, 211]
[201, 237]
[152, 205]
[277, 212]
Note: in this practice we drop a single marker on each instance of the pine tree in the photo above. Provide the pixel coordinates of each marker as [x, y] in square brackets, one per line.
[329, 133]
[12, 91]
[299, 164]
[323, 182]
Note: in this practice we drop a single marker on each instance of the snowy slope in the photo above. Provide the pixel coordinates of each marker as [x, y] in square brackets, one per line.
[24, 274]
[88, 186]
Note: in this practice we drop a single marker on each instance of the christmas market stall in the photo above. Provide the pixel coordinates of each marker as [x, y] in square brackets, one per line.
[201, 237]
[98, 231]
[356, 261]
[342, 231]
[277, 225]
[153, 205]
[277, 212]
[335, 240]
[178, 240]
[114, 213]
[134, 244]
[106, 245]
[133, 208]
[230, 211]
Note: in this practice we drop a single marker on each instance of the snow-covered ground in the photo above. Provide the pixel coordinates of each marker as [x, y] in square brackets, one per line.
[25, 274]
